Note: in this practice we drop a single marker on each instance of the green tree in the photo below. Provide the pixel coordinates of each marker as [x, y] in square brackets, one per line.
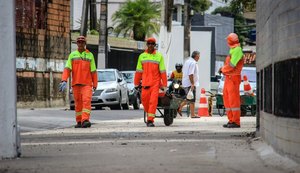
[236, 10]
[140, 17]
[245, 5]
[200, 6]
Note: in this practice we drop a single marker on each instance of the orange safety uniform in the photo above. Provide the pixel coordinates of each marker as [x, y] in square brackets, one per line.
[151, 70]
[231, 92]
[84, 77]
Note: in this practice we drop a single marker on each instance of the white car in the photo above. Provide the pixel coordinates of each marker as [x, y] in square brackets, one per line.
[111, 92]
[250, 72]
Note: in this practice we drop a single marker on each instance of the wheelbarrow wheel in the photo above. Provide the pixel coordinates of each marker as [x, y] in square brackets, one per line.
[253, 110]
[168, 116]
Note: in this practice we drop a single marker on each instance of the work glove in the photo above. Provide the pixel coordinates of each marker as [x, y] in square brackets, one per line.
[220, 71]
[62, 86]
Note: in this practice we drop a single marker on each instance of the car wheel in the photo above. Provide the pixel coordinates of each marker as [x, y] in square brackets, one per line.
[126, 105]
[117, 106]
[137, 102]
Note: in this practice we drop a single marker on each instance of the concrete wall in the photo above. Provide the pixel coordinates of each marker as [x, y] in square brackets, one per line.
[224, 26]
[41, 52]
[278, 40]
[176, 47]
[204, 63]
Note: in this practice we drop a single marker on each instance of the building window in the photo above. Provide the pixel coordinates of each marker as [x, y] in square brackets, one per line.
[268, 89]
[286, 88]
[31, 14]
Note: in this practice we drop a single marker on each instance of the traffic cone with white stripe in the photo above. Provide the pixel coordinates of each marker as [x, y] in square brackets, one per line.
[203, 107]
[247, 87]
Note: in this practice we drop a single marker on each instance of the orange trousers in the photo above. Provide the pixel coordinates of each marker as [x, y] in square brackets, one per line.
[82, 97]
[150, 100]
[231, 96]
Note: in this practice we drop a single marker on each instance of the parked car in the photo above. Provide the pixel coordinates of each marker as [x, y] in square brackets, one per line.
[214, 83]
[250, 72]
[134, 95]
[111, 91]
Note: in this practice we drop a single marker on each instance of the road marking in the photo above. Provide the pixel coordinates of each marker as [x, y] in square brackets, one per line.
[126, 141]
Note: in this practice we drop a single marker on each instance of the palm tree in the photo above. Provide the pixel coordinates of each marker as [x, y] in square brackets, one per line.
[140, 17]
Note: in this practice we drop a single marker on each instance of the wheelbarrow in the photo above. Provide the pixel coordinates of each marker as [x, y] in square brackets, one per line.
[248, 104]
[167, 108]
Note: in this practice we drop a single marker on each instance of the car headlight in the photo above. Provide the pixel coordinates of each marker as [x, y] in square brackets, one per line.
[111, 90]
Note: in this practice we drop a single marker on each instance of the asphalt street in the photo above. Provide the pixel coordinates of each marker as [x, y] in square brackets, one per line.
[56, 118]
[119, 141]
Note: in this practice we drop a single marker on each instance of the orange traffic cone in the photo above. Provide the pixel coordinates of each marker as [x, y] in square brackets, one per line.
[247, 87]
[203, 107]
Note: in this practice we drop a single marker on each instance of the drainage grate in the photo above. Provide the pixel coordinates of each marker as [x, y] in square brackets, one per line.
[286, 88]
[268, 89]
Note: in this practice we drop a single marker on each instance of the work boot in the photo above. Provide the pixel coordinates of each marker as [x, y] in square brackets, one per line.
[86, 124]
[226, 125]
[78, 125]
[233, 125]
[150, 124]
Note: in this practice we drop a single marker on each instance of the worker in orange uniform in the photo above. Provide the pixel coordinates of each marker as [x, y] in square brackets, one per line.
[232, 71]
[151, 70]
[84, 79]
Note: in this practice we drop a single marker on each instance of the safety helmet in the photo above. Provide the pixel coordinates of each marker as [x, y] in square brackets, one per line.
[233, 40]
[151, 40]
[178, 65]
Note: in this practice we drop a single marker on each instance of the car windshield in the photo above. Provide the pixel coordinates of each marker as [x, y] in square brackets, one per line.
[128, 77]
[106, 76]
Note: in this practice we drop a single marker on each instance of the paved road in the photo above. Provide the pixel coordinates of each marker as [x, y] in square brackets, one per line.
[128, 146]
[56, 118]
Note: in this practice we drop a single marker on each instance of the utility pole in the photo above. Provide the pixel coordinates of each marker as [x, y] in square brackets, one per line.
[93, 15]
[8, 114]
[102, 61]
[84, 17]
[187, 27]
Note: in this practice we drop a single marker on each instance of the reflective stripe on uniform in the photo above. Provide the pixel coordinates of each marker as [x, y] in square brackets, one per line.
[86, 110]
[232, 109]
[235, 109]
[150, 61]
[151, 115]
[78, 113]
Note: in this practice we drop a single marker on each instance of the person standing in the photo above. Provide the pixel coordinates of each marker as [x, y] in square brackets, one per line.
[84, 79]
[190, 81]
[232, 71]
[151, 70]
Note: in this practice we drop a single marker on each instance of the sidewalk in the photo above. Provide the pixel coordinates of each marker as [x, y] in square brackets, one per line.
[128, 146]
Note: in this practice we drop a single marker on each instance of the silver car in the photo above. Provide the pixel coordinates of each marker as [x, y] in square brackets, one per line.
[134, 95]
[111, 91]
